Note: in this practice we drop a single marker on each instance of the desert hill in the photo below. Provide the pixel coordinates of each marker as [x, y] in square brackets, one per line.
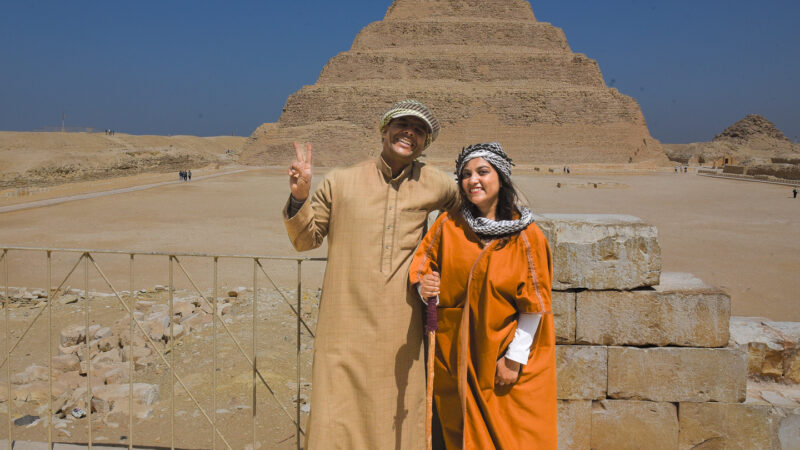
[45, 158]
[489, 70]
[753, 140]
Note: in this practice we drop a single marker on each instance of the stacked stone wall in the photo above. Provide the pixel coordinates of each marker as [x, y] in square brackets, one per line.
[643, 357]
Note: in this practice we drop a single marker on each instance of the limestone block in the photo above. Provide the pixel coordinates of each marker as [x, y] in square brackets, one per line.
[72, 379]
[763, 345]
[564, 316]
[111, 356]
[581, 372]
[789, 432]
[680, 311]
[790, 331]
[143, 393]
[66, 363]
[138, 352]
[574, 424]
[182, 307]
[677, 374]
[728, 426]
[108, 343]
[30, 374]
[197, 321]
[602, 251]
[72, 335]
[103, 333]
[631, 424]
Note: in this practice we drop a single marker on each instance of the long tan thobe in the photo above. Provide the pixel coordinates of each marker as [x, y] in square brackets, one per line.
[368, 378]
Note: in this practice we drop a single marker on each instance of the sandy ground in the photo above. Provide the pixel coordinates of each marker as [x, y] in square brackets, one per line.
[743, 237]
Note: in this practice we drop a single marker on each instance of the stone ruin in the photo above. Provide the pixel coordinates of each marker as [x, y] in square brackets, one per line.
[488, 69]
[110, 350]
[654, 360]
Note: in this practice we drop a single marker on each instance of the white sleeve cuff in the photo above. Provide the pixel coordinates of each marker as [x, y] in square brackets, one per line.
[419, 291]
[520, 347]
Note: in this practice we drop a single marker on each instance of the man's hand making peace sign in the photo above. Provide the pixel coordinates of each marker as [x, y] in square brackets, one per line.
[300, 173]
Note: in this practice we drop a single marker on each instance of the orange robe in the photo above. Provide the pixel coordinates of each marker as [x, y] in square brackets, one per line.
[497, 284]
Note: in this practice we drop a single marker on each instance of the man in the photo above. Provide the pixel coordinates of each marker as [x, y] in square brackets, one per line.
[368, 379]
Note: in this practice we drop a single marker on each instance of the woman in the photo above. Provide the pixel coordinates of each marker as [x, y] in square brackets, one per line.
[494, 369]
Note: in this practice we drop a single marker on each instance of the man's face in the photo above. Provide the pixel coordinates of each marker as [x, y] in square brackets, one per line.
[404, 139]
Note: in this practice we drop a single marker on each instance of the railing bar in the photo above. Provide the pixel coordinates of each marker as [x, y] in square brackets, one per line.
[88, 348]
[299, 319]
[128, 252]
[7, 306]
[255, 352]
[38, 314]
[131, 367]
[171, 361]
[285, 299]
[214, 358]
[49, 350]
[233, 338]
[236, 342]
[153, 345]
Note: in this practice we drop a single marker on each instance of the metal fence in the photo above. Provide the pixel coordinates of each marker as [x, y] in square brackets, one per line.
[85, 262]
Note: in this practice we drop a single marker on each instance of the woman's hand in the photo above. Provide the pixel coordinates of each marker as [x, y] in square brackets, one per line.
[300, 173]
[507, 372]
[429, 285]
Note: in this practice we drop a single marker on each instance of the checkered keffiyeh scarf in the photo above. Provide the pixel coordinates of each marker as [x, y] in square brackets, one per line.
[487, 228]
[483, 227]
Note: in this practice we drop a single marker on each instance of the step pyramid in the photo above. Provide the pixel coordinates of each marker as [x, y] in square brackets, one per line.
[489, 70]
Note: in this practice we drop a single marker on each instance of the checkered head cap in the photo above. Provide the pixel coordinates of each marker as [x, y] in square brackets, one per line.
[413, 108]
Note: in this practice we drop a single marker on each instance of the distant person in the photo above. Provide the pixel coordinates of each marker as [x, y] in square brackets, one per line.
[189, 174]
[794, 192]
[675, 168]
[180, 175]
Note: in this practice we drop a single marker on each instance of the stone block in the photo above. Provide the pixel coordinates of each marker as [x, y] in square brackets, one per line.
[581, 372]
[564, 316]
[66, 363]
[772, 347]
[680, 311]
[574, 424]
[72, 335]
[728, 426]
[631, 424]
[30, 374]
[602, 251]
[677, 374]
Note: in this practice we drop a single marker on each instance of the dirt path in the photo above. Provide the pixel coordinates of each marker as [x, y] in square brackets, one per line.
[69, 198]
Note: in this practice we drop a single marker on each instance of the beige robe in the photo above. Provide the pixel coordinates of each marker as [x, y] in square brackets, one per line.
[368, 379]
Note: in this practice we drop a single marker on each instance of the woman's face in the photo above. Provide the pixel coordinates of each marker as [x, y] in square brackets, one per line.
[481, 185]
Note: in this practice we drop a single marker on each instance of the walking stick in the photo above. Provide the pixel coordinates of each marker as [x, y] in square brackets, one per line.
[431, 325]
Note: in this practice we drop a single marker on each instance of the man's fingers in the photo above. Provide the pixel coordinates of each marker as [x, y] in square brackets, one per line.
[308, 153]
[298, 152]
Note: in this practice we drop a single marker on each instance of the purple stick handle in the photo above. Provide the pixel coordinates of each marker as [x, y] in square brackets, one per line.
[431, 319]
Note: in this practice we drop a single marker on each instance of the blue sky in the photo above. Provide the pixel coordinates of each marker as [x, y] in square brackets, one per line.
[215, 68]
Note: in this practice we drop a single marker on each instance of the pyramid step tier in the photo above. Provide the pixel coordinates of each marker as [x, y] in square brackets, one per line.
[537, 35]
[442, 9]
[568, 68]
[515, 104]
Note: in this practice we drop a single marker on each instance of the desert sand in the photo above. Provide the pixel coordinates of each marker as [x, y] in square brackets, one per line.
[741, 236]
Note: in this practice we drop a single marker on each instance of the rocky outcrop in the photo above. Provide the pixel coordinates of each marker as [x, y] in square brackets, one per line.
[489, 70]
[751, 141]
